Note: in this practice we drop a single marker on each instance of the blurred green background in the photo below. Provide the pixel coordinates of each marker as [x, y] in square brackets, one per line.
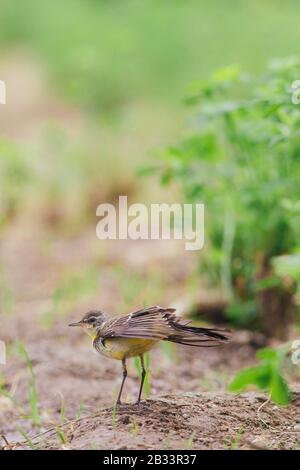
[123, 67]
[96, 88]
[104, 54]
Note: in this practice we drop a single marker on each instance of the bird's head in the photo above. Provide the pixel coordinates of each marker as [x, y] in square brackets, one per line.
[91, 322]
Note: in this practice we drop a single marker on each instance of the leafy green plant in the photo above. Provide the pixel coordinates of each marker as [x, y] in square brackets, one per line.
[78, 49]
[241, 158]
[267, 376]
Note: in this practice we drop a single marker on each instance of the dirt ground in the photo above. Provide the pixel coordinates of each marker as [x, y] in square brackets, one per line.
[207, 420]
[188, 405]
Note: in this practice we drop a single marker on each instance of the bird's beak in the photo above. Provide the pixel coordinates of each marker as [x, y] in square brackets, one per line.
[77, 323]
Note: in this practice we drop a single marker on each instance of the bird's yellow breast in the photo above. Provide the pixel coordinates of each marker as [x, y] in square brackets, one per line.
[122, 348]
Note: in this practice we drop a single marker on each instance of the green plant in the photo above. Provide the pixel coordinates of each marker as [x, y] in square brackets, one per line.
[134, 428]
[137, 363]
[190, 441]
[61, 435]
[27, 439]
[8, 395]
[241, 158]
[62, 410]
[233, 443]
[15, 177]
[80, 409]
[114, 417]
[33, 399]
[268, 375]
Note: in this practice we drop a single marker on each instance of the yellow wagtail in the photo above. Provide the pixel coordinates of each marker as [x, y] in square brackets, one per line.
[134, 334]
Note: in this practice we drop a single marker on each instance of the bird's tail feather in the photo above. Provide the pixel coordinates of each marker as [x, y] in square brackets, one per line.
[197, 336]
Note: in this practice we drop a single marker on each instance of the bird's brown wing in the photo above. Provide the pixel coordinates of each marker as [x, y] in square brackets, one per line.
[159, 323]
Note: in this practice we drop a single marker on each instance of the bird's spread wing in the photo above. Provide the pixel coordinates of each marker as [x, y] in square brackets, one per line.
[159, 323]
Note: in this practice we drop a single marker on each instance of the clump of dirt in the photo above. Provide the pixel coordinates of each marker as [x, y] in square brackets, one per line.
[184, 421]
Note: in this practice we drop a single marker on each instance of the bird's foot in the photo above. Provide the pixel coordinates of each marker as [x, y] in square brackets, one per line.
[138, 403]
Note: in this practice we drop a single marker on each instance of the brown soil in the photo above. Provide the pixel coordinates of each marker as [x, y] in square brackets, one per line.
[207, 420]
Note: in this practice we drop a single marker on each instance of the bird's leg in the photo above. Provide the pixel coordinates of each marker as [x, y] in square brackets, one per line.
[123, 381]
[142, 378]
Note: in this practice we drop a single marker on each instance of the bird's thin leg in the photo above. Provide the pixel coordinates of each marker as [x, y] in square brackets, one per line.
[123, 381]
[142, 379]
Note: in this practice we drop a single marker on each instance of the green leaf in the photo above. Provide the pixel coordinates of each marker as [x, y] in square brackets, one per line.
[268, 354]
[258, 375]
[266, 376]
[229, 73]
[267, 283]
[280, 393]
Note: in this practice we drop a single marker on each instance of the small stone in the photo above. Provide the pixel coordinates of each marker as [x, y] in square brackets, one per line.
[126, 420]
[6, 404]
[297, 427]
[259, 443]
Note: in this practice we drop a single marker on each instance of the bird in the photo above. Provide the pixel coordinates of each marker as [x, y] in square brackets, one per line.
[132, 335]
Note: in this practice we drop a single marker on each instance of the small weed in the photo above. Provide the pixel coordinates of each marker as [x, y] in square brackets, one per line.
[134, 427]
[114, 418]
[80, 410]
[166, 444]
[34, 415]
[233, 443]
[190, 441]
[9, 395]
[137, 363]
[62, 409]
[27, 439]
[61, 435]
